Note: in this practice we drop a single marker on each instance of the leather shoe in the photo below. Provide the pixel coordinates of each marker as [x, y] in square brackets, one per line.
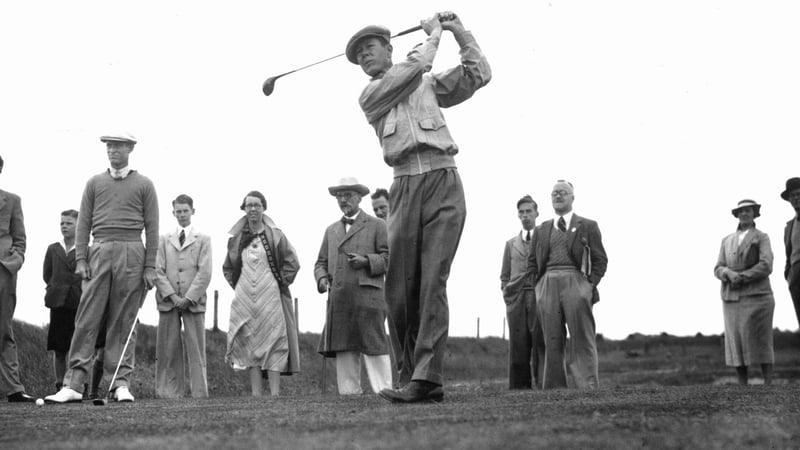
[415, 392]
[123, 395]
[65, 395]
[20, 397]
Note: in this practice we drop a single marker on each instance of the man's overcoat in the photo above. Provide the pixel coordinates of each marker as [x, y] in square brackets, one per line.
[356, 309]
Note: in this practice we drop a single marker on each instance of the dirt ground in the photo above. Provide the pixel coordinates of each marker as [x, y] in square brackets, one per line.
[472, 416]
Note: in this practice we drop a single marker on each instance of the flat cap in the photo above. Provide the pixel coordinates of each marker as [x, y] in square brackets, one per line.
[119, 137]
[377, 31]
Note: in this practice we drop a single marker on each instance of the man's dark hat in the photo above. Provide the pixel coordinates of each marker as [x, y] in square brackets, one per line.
[747, 204]
[791, 184]
[370, 31]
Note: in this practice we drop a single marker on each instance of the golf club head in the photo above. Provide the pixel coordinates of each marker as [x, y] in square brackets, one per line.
[100, 402]
[269, 85]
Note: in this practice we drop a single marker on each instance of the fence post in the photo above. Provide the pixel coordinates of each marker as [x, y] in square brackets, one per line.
[216, 309]
[296, 316]
[479, 327]
[504, 328]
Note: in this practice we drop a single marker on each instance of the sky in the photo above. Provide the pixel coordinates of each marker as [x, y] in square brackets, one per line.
[662, 114]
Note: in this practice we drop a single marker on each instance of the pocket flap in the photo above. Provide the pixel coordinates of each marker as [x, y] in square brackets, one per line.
[389, 128]
[431, 123]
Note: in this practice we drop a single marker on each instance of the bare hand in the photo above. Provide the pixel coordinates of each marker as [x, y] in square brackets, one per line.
[82, 269]
[149, 277]
[182, 303]
[323, 285]
[432, 26]
[357, 261]
[450, 22]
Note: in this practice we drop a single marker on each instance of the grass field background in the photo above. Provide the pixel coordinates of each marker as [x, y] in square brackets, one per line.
[656, 392]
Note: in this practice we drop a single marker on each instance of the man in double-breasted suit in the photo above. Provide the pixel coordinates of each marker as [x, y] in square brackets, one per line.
[350, 267]
[791, 239]
[183, 272]
[566, 263]
[525, 342]
[12, 255]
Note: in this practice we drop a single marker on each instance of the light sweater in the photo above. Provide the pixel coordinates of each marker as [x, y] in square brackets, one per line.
[118, 210]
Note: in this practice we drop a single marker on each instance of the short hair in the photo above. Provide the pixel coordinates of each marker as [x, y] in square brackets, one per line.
[257, 194]
[184, 200]
[527, 199]
[380, 192]
[70, 212]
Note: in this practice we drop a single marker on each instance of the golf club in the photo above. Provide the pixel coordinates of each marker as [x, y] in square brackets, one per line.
[104, 401]
[269, 84]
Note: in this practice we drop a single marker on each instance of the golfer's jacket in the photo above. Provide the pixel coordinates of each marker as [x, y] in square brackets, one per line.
[403, 105]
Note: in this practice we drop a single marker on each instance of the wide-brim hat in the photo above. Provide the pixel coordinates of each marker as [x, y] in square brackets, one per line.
[349, 184]
[747, 204]
[791, 185]
[377, 31]
[118, 137]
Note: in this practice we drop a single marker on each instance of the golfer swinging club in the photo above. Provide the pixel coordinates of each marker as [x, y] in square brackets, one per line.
[428, 210]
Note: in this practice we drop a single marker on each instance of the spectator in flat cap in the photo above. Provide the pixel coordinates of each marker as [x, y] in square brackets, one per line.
[403, 103]
[791, 240]
[525, 340]
[117, 205]
[743, 267]
[350, 268]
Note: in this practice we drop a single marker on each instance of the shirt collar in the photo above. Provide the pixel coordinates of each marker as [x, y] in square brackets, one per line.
[567, 218]
[186, 230]
[354, 215]
[123, 171]
[64, 246]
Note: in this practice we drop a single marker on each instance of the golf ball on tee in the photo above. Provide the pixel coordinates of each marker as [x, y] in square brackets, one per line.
[39, 402]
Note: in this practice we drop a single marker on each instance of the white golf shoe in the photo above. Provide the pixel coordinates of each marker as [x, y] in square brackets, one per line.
[122, 394]
[65, 395]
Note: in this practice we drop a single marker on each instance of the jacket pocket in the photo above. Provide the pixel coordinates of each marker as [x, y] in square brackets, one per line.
[388, 129]
[431, 123]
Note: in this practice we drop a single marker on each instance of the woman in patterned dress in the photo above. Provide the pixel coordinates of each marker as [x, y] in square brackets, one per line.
[260, 265]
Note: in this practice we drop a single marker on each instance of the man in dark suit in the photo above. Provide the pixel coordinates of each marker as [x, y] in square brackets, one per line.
[62, 294]
[525, 341]
[351, 263]
[566, 263]
[12, 255]
[791, 239]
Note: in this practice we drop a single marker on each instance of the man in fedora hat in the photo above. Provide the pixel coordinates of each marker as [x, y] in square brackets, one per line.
[567, 260]
[12, 255]
[791, 239]
[350, 267]
[402, 102]
[117, 270]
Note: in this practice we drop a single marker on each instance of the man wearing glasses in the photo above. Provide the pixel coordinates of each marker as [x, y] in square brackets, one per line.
[350, 267]
[791, 239]
[566, 262]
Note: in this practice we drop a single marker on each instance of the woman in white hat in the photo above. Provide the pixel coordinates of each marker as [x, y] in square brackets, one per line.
[743, 266]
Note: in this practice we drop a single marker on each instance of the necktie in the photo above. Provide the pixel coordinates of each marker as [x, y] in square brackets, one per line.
[117, 175]
[528, 236]
[182, 237]
[562, 224]
[347, 221]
